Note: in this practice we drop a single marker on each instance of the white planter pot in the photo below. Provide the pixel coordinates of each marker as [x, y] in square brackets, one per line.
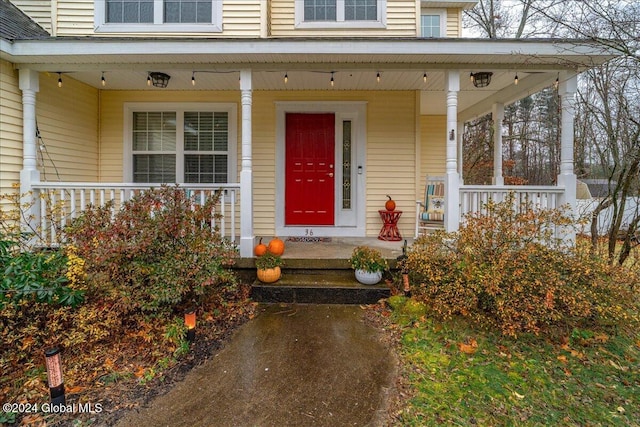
[367, 278]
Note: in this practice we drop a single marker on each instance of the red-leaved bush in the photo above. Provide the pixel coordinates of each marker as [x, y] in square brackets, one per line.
[157, 252]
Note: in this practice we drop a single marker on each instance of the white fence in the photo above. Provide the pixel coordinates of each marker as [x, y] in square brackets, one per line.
[58, 203]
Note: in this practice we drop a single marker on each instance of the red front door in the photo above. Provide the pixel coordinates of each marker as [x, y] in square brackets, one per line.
[309, 188]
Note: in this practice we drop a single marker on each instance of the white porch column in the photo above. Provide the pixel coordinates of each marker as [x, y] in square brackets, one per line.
[29, 84]
[567, 178]
[246, 174]
[497, 114]
[452, 179]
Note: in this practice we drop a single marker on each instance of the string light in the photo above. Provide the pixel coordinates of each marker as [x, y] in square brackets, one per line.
[148, 79]
[424, 77]
[515, 81]
[378, 77]
[286, 78]
[102, 80]
[59, 79]
[193, 78]
[332, 80]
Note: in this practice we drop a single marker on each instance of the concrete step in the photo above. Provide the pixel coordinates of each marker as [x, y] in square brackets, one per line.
[314, 281]
[319, 287]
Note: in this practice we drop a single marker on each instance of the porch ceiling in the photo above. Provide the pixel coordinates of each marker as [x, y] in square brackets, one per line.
[310, 62]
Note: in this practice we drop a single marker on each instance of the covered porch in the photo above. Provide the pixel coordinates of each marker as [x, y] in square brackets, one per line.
[351, 79]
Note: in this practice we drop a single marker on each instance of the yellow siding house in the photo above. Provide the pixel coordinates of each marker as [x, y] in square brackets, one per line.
[305, 114]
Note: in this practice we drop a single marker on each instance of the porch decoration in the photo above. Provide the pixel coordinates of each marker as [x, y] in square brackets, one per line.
[260, 248]
[268, 267]
[276, 247]
[390, 204]
[369, 264]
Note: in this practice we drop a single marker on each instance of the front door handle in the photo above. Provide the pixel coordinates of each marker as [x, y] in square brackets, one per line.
[330, 174]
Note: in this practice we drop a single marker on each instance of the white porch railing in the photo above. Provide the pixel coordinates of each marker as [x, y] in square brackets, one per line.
[61, 202]
[473, 198]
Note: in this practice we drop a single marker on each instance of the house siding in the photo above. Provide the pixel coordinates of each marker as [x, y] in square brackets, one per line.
[454, 23]
[433, 149]
[76, 18]
[239, 19]
[401, 22]
[69, 134]
[10, 129]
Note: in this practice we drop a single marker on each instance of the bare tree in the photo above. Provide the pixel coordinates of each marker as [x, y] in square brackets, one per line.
[609, 111]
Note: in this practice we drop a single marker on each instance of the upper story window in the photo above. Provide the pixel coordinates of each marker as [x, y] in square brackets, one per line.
[433, 23]
[324, 14]
[168, 16]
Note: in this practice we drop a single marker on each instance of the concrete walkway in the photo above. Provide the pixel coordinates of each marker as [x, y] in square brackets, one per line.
[292, 365]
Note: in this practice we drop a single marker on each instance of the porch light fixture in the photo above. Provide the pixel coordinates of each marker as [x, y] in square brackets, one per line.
[556, 84]
[515, 81]
[54, 376]
[481, 79]
[102, 80]
[158, 79]
[286, 78]
[424, 77]
[193, 78]
[332, 80]
[190, 323]
[378, 77]
[59, 79]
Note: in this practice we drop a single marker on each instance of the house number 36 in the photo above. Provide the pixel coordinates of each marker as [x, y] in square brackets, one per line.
[308, 232]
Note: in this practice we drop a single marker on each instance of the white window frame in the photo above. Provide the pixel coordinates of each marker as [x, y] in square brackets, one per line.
[101, 26]
[179, 108]
[340, 22]
[442, 13]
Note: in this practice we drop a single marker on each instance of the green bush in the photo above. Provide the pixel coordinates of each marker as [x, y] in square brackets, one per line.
[505, 269]
[157, 252]
[34, 276]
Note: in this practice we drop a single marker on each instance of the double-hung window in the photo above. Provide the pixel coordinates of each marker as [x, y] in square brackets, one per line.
[188, 143]
[432, 23]
[340, 13]
[158, 15]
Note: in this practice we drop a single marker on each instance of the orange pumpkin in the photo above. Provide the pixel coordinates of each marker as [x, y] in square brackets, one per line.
[276, 247]
[390, 204]
[260, 248]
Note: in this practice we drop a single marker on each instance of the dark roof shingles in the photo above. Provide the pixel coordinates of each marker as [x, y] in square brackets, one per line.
[16, 25]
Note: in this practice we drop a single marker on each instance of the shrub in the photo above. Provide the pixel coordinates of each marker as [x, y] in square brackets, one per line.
[505, 269]
[36, 276]
[155, 253]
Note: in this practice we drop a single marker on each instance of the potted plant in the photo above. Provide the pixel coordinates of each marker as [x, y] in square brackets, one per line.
[369, 264]
[268, 266]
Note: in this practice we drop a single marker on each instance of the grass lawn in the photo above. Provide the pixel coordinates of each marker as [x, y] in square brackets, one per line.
[461, 375]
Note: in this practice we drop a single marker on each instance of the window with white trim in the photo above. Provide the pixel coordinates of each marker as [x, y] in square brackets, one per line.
[433, 23]
[180, 145]
[158, 15]
[340, 13]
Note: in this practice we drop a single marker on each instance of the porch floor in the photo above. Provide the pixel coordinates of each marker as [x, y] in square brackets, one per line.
[340, 248]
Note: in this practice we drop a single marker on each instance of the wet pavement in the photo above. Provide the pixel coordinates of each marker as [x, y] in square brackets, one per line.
[292, 365]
